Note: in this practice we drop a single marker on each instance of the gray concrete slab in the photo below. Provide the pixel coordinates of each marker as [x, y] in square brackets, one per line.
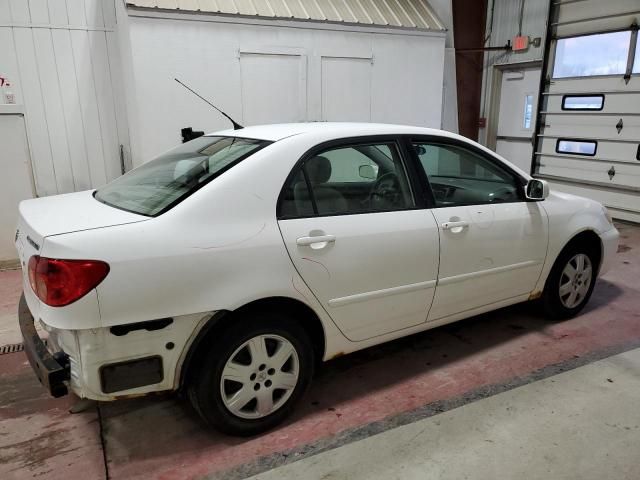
[582, 424]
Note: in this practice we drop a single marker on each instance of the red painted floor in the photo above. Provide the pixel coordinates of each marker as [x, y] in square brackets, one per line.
[160, 437]
[38, 437]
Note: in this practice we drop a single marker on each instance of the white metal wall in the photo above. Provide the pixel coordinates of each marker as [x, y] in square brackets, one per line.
[62, 57]
[15, 180]
[270, 72]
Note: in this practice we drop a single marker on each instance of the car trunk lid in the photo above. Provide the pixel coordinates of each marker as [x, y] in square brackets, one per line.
[71, 212]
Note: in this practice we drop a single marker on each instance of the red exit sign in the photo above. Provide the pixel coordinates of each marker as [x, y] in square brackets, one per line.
[520, 43]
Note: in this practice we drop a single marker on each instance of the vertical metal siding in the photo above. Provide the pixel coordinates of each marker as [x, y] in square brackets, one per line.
[505, 27]
[397, 13]
[63, 72]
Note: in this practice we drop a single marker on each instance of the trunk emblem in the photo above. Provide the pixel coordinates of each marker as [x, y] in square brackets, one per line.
[32, 243]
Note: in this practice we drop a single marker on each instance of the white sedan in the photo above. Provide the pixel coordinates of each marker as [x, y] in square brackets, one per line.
[230, 266]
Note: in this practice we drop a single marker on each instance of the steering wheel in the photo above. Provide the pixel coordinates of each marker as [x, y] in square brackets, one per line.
[385, 192]
[502, 194]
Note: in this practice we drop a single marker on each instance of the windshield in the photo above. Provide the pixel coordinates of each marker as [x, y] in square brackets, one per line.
[163, 182]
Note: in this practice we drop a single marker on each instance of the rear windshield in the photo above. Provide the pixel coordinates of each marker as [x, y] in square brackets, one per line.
[163, 182]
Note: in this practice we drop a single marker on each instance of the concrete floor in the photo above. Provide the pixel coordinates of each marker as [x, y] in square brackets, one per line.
[402, 383]
[582, 424]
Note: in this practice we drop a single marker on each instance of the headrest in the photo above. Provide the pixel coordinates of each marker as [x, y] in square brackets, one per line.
[318, 169]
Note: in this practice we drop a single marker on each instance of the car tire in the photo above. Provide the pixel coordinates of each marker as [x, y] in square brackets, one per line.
[570, 282]
[236, 386]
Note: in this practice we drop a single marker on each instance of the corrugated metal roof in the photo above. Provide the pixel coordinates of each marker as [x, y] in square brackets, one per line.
[396, 13]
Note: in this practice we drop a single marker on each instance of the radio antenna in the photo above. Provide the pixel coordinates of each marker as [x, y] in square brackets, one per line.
[236, 125]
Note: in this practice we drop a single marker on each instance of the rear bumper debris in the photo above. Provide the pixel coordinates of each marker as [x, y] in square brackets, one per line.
[51, 369]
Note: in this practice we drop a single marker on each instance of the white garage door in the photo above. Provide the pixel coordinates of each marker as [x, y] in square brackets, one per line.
[589, 136]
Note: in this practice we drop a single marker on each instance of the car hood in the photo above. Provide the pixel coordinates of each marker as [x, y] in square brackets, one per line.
[71, 212]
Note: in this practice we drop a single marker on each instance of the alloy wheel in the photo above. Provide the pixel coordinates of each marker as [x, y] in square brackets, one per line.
[575, 280]
[259, 376]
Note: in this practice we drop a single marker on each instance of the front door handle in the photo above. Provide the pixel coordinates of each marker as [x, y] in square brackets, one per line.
[455, 227]
[318, 239]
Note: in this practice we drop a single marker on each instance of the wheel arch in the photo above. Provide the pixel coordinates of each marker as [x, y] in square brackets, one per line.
[587, 237]
[222, 319]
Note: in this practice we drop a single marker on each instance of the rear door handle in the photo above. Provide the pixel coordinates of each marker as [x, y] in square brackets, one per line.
[455, 226]
[308, 241]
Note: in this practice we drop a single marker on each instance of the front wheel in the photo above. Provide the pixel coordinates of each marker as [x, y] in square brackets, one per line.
[570, 282]
[253, 374]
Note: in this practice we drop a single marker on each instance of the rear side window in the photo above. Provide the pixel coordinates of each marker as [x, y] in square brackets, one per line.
[160, 184]
[347, 180]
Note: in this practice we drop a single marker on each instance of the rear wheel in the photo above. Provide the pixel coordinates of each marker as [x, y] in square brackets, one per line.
[253, 374]
[570, 282]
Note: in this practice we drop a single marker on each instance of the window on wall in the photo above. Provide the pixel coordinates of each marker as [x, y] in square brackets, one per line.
[576, 147]
[528, 111]
[582, 102]
[636, 60]
[590, 55]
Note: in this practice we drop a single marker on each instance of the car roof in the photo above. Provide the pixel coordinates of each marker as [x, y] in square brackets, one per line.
[277, 132]
[338, 130]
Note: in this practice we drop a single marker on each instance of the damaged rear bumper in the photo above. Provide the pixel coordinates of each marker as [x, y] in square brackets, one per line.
[51, 369]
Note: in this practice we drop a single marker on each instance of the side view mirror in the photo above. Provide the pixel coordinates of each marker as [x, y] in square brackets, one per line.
[536, 190]
[367, 171]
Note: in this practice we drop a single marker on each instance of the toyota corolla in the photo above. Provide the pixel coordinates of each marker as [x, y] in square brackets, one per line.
[230, 266]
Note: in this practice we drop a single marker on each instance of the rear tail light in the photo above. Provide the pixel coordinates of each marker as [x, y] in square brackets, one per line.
[61, 282]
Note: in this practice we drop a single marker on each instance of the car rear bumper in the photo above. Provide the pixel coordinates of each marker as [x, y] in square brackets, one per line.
[51, 369]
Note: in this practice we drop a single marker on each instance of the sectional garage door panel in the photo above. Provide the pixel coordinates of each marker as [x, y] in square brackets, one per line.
[588, 134]
[593, 171]
[597, 126]
[604, 151]
[586, 16]
[613, 103]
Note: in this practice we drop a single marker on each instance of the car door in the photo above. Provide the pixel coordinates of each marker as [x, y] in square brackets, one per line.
[371, 259]
[493, 243]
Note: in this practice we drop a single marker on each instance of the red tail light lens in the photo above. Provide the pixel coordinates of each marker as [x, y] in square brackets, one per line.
[61, 282]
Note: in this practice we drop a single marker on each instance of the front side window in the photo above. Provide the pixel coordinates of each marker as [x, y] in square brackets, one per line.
[161, 183]
[348, 180]
[590, 55]
[458, 176]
